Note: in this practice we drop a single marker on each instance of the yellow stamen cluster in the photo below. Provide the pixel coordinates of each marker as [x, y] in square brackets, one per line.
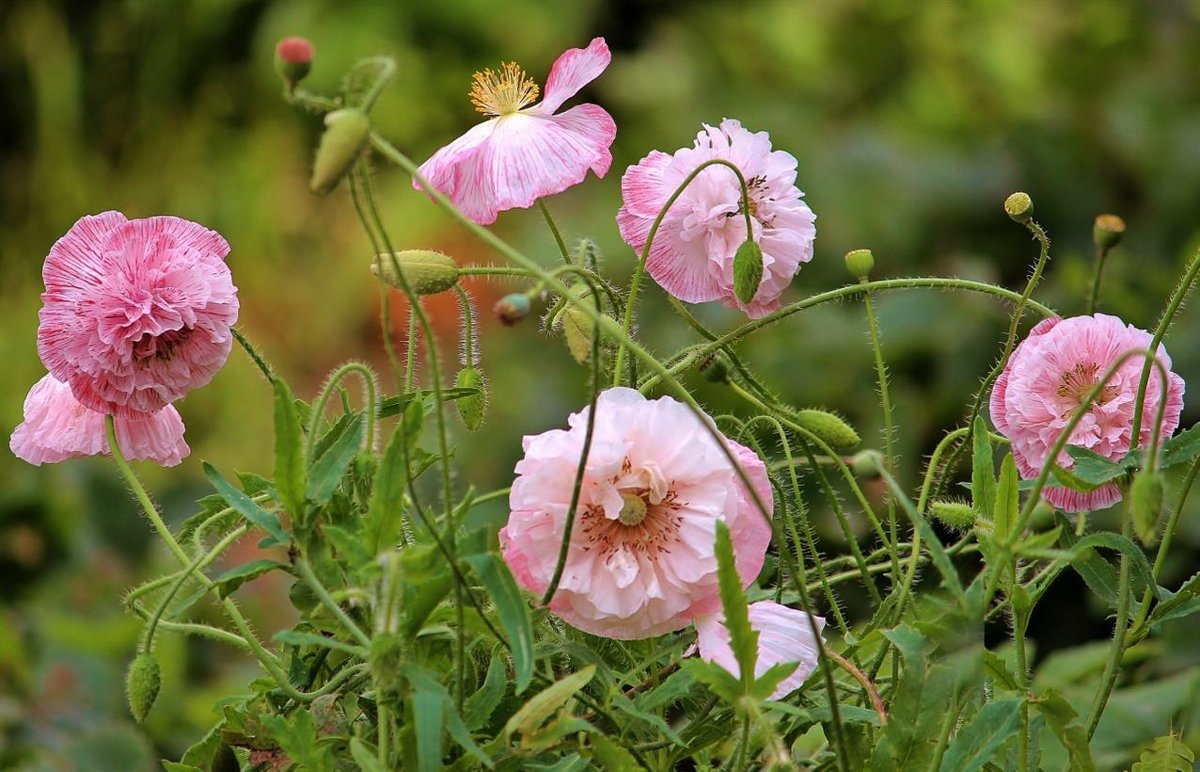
[504, 92]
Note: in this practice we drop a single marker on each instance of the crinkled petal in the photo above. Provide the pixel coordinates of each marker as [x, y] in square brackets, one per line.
[785, 635]
[573, 70]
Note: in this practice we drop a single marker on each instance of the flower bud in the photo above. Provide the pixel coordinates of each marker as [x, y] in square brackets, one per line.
[512, 308]
[1107, 231]
[828, 426]
[426, 271]
[1019, 207]
[577, 325]
[1145, 503]
[860, 263]
[715, 368]
[867, 464]
[293, 60]
[953, 514]
[142, 683]
[471, 409]
[346, 134]
[747, 270]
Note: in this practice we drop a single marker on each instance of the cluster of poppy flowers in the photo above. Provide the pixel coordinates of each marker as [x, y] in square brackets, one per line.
[138, 312]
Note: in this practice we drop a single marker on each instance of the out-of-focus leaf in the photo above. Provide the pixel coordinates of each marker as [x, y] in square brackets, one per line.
[387, 496]
[976, 743]
[1094, 470]
[612, 757]
[1166, 754]
[715, 677]
[1097, 572]
[1063, 721]
[364, 757]
[512, 610]
[296, 638]
[245, 505]
[234, 578]
[1180, 449]
[983, 470]
[743, 639]
[545, 703]
[297, 737]
[329, 468]
[290, 467]
[627, 706]
[479, 707]
[1005, 507]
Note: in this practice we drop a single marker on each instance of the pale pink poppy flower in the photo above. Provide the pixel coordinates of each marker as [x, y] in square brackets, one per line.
[642, 558]
[57, 427]
[136, 312]
[1045, 381]
[525, 153]
[784, 636]
[693, 249]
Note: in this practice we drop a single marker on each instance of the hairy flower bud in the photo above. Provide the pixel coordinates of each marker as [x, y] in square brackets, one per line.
[1107, 231]
[346, 134]
[142, 683]
[1145, 503]
[828, 426]
[860, 263]
[471, 409]
[747, 270]
[512, 308]
[953, 514]
[577, 325]
[427, 272]
[716, 368]
[293, 60]
[867, 464]
[1019, 207]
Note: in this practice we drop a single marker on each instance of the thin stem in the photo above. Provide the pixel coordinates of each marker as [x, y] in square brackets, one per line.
[1020, 625]
[257, 358]
[1164, 546]
[558, 239]
[468, 323]
[1112, 666]
[306, 573]
[383, 729]
[889, 429]
[861, 677]
[370, 408]
[385, 305]
[1098, 271]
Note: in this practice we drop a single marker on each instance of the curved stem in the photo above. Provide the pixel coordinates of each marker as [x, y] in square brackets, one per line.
[370, 408]
[1112, 666]
[889, 429]
[385, 307]
[256, 357]
[558, 239]
[306, 573]
[1098, 271]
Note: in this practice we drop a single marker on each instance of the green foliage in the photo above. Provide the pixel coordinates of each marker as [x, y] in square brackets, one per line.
[1166, 754]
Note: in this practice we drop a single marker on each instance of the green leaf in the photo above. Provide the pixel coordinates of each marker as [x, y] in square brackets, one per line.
[1180, 449]
[983, 470]
[1180, 603]
[630, 708]
[1007, 505]
[743, 639]
[977, 742]
[941, 561]
[296, 638]
[427, 708]
[546, 703]
[245, 506]
[234, 578]
[722, 683]
[1094, 469]
[385, 513]
[395, 405]
[329, 468]
[289, 452]
[512, 610]
[366, 758]
[479, 707]
[1063, 721]
[1097, 572]
[1166, 754]
[998, 670]
[766, 684]
[297, 737]
[1112, 541]
[426, 685]
[612, 757]
[172, 766]
[350, 546]
[205, 751]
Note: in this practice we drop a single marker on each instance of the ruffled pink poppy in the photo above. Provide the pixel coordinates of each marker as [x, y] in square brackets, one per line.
[526, 153]
[784, 636]
[641, 560]
[1048, 376]
[136, 312]
[57, 427]
[693, 249]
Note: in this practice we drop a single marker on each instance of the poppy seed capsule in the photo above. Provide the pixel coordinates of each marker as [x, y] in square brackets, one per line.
[142, 683]
[1019, 207]
[747, 270]
[1107, 231]
[860, 263]
[346, 134]
[427, 272]
[293, 59]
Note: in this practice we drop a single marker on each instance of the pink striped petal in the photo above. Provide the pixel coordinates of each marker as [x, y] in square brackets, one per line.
[784, 636]
[573, 70]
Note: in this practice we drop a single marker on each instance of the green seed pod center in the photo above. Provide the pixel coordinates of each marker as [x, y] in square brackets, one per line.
[633, 509]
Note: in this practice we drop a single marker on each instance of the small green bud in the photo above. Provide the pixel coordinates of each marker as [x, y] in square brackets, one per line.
[1042, 515]
[829, 427]
[1145, 503]
[471, 409]
[867, 464]
[512, 308]
[954, 514]
[426, 271]
[715, 368]
[747, 270]
[142, 683]
[346, 134]
[1107, 231]
[1019, 207]
[577, 325]
[860, 263]
[386, 662]
[293, 60]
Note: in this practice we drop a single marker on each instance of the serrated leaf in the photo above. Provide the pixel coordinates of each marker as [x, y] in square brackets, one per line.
[1166, 754]
[1007, 504]
[297, 638]
[1182, 600]
[1180, 449]
[234, 578]
[297, 737]
[329, 468]
[203, 752]
[977, 742]
[718, 679]
[629, 707]
[395, 405]
[245, 506]
[1118, 543]
[546, 703]
[766, 684]
[612, 757]
[479, 707]
[1063, 721]
[512, 610]
[743, 638]
[350, 546]
[983, 470]
[433, 694]
[386, 511]
[290, 466]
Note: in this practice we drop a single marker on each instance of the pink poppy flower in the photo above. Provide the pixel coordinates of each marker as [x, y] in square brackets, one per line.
[693, 249]
[57, 427]
[526, 153]
[1045, 381]
[641, 560]
[136, 312]
[784, 635]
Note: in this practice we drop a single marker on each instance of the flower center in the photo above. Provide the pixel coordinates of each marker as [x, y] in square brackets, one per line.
[633, 509]
[161, 346]
[1078, 381]
[504, 92]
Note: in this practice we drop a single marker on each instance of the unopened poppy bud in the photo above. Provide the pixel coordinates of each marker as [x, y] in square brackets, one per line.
[577, 325]
[346, 134]
[293, 60]
[142, 683]
[1019, 207]
[867, 464]
[1145, 502]
[954, 514]
[829, 427]
[471, 409]
[860, 263]
[715, 368]
[1107, 231]
[511, 308]
[747, 270]
[427, 272]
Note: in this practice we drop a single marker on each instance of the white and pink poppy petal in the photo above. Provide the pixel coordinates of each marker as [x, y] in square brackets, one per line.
[784, 636]
[456, 173]
[573, 70]
[156, 437]
[71, 265]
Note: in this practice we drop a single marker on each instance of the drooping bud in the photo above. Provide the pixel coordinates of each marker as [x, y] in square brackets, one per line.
[715, 368]
[747, 270]
[1019, 207]
[1107, 231]
[142, 683]
[1145, 503]
[954, 514]
[511, 308]
[346, 134]
[426, 271]
[293, 60]
[471, 409]
[577, 325]
[828, 426]
[860, 263]
[867, 464]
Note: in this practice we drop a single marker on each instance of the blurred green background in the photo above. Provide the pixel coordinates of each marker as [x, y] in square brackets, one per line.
[911, 123]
